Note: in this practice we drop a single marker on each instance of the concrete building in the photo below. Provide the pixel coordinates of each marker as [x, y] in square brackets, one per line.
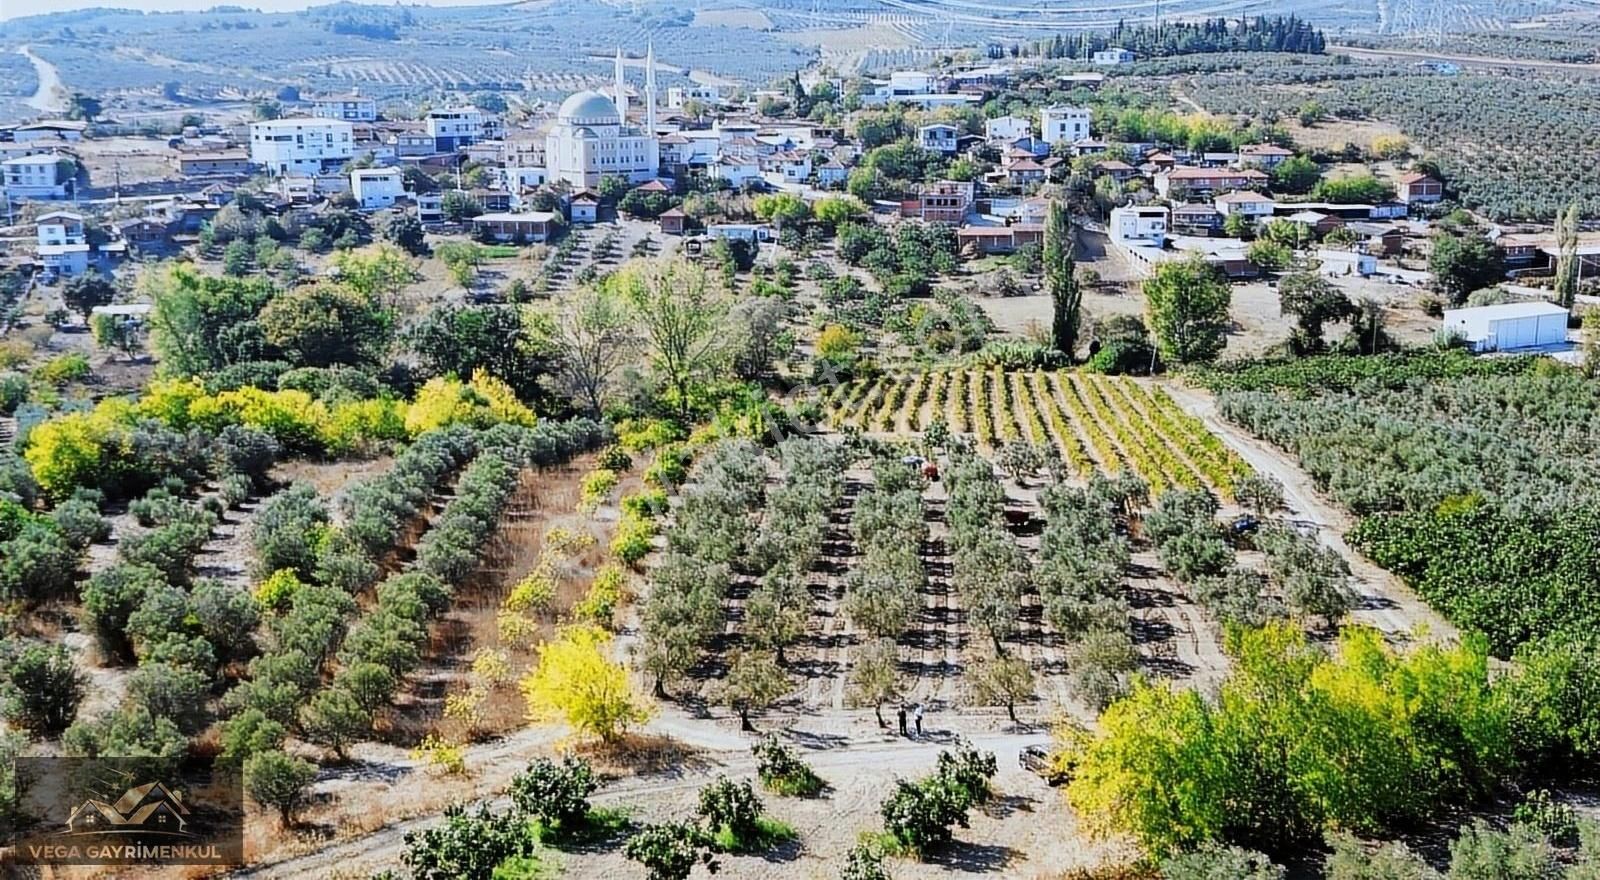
[532, 226]
[1110, 57]
[50, 129]
[62, 246]
[1337, 263]
[677, 96]
[1134, 225]
[938, 137]
[1062, 123]
[304, 145]
[1007, 128]
[454, 127]
[352, 107]
[43, 176]
[376, 188]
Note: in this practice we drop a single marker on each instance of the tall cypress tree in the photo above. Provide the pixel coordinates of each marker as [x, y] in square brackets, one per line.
[1066, 300]
[1567, 256]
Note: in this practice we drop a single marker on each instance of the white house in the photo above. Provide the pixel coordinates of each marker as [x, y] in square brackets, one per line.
[515, 178]
[49, 129]
[376, 188]
[938, 137]
[453, 127]
[353, 107]
[430, 207]
[303, 145]
[1007, 128]
[1252, 205]
[1337, 263]
[832, 173]
[41, 176]
[1108, 57]
[911, 82]
[735, 170]
[1509, 326]
[1136, 225]
[1062, 123]
[788, 167]
[63, 249]
[677, 96]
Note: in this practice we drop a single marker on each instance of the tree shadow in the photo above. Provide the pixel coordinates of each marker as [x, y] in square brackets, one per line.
[973, 858]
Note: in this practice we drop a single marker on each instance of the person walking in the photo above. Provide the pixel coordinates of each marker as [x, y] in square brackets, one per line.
[918, 716]
[902, 714]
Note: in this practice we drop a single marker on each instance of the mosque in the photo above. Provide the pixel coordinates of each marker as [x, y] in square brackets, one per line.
[592, 137]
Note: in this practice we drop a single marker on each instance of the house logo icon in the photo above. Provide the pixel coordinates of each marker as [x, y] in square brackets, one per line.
[146, 809]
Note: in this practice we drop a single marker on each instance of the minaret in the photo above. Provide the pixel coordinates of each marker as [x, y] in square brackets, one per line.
[620, 95]
[650, 89]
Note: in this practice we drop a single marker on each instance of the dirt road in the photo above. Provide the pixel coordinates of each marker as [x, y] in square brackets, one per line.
[859, 763]
[1484, 60]
[47, 98]
[1386, 603]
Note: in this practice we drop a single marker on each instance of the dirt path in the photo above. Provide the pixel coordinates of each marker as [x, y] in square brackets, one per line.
[47, 97]
[1359, 52]
[1386, 603]
[846, 748]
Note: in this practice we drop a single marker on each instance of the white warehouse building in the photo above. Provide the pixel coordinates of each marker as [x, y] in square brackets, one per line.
[300, 146]
[1509, 326]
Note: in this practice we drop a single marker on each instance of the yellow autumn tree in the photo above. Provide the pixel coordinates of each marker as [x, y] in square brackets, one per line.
[577, 682]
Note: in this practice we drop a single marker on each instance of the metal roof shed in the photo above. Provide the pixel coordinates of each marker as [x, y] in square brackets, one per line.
[1510, 326]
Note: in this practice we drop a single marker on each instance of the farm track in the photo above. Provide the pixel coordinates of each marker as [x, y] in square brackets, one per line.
[1385, 603]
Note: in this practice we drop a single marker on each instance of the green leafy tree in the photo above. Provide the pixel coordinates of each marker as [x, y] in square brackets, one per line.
[277, 780]
[754, 682]
[83, 293]
[320, 325]
[683, 322]
[1066, 298]
[557, 795]
[1314, 302]
[1187, 302]
[457, 206]
[335, 718]
[1463, 263]
[404, 231]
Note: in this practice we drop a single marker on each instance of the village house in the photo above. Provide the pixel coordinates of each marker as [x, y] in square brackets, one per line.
[790, 167]
[983, 240]
[1196, 219]
[1315, 223]
[1116, 169]
[832, 173]
[750, 233]
[1341, 263]
[376, 188]
[1378, 239]
[1083, 80]
[303, 145]
[44, 176]
[1139, 225]
[1189, 180]
[411, 143]
[533, 226]
[1007, 128]
[430, 207]
[677, 96]
[1416, 188]
[352, 107]
[143, 235]
[946, 201]
[1264, 155]
[1023, 172]
[63, 247]
[1252, 205]
[1112, 57]
[1062, 123]
[232, 163]
[938, 137]
[736, 170]
[454, 127]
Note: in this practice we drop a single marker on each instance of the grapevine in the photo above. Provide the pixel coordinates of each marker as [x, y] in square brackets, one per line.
[1066, 438]
[1111, 459]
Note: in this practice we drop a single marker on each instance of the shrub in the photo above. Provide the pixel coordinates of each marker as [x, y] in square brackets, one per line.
[130, 730]
[671, 851]
[669, 469]
[555, 795]
[249, 732]
[781, 771]
[613, 458]
[646, 504]
[41, 687]
[176, 693]
[597, 488]
[919, 815]
[730, 807]
[1220, 863]
[108, 598]
[577, 682]
[278, 589]
[335, 718]
[466, 845]
[80, 522]
[286, 531]
[606, 593]
[631, 542]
